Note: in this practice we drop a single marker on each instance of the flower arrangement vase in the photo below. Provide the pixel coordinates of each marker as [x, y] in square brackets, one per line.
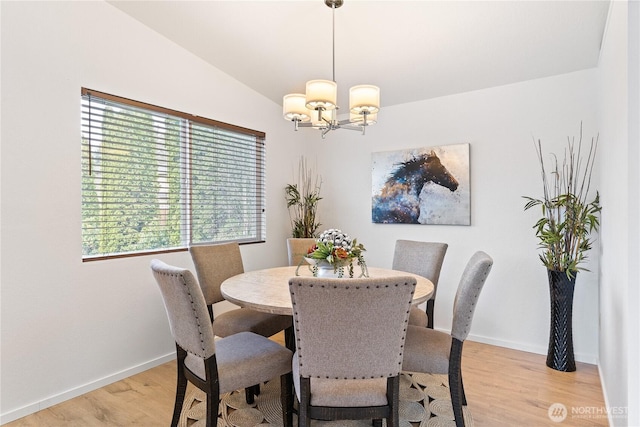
[327, 270]
[560, 354]
[322, 268]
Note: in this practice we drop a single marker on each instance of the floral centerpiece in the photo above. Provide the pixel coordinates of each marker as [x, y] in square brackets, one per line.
[334, 253]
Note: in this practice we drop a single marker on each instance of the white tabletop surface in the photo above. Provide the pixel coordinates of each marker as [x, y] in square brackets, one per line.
[268, 290]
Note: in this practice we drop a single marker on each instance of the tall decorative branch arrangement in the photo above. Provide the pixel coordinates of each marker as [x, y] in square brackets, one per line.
[564, 235]
[569, 218]
[302, 201]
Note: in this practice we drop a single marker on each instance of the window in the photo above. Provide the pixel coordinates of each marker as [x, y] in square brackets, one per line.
[155, 179]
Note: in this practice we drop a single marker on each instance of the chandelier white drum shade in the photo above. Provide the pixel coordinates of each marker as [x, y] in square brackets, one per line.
[321, 95]
[316, 108]
[294, 108]
[364, 99]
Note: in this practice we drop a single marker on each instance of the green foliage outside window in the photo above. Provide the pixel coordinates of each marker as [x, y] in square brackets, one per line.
[156, 182]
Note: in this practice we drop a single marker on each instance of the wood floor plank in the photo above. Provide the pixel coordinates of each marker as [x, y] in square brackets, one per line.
[504, 387]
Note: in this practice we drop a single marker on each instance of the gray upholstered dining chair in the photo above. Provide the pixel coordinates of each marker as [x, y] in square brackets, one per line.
[297, 248]
[430, 351]
[349, 342]
[216, 366]
[424, 259]
[214, 264]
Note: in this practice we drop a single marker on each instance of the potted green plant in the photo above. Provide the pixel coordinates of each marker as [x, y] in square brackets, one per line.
[569, 217]
[302, 201]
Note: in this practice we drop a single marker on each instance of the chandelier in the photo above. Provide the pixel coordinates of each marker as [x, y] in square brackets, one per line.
[317, 108]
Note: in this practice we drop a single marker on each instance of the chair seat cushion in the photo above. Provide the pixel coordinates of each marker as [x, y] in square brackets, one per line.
[343, 393]
[426, 350]
[418, 317]
[247, 320]
[244, 359]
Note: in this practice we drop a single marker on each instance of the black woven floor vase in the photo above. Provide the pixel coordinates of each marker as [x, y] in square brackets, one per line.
[560, 354]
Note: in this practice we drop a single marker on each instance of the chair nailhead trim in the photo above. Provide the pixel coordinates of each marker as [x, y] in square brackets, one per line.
[184, 283]
[299, 347]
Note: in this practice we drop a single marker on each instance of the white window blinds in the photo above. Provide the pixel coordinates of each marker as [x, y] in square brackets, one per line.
[155, 179]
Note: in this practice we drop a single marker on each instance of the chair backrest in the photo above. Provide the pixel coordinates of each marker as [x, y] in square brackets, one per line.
[471, 283]
[186, 309]
[298, 247]
[350, 328]
[421, 258]
[214, 264]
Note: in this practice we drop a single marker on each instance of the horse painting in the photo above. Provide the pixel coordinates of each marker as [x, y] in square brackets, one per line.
[398, 201]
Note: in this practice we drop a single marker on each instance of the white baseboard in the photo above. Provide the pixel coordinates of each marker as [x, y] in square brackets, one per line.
[80, 390]
[606, 396]
[580, 357]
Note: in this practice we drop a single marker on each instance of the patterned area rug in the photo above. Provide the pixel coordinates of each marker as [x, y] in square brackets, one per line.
[424, 402]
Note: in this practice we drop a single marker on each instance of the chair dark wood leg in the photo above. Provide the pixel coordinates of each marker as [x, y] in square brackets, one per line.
[455, 380]
[393, 398]
[212, 391]
[286, 399]
[249, 395]
[304, 416]
[376, 423]
[251, 392]
[430, 304]
[213, 402]
[181, 386]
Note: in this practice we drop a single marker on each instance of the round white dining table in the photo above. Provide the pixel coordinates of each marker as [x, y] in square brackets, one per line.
[268, 290]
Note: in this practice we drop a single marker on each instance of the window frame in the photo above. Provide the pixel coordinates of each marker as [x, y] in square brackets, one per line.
[186, 220]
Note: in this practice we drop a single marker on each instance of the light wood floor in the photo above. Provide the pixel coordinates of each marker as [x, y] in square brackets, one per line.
[504, 388]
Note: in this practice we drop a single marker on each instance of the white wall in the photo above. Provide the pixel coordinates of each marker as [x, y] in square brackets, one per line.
[618, 113]
[499, 124]
[634, 213]
[69, 326]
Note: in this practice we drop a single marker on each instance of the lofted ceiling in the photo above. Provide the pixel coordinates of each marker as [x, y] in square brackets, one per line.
[413, 50]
